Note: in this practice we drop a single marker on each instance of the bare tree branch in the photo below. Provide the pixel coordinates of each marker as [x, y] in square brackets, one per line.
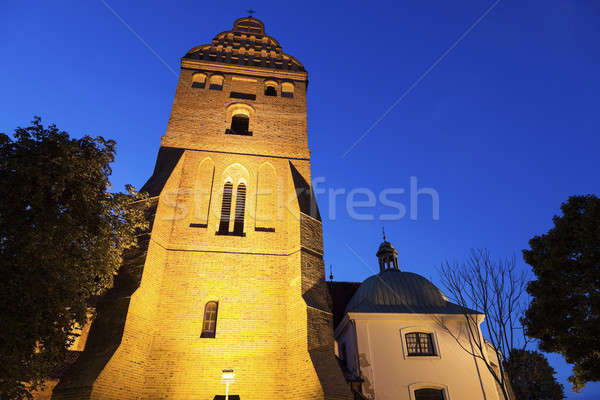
[496, 289]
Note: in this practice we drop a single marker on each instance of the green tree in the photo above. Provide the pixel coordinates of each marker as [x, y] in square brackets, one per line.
[62, 236]
[564, 313]
[531, 377]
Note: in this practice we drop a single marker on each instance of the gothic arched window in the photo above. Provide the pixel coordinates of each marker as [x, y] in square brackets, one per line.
[209, 325]
[240, 209]
[226, 208]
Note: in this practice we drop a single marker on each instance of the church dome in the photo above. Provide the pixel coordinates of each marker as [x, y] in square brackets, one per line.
[395, 291]
[385, 246]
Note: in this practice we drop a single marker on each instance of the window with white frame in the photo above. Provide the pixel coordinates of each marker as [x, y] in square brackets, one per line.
[419, 344]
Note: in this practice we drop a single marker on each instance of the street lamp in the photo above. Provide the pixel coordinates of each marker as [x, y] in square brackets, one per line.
[227, 377]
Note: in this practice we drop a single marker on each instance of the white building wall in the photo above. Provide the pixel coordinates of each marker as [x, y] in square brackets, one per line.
[390, 374]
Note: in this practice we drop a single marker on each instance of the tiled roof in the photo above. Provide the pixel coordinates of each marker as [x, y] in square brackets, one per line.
[246, 44]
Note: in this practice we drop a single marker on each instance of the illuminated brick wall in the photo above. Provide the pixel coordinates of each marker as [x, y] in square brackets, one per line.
[274, 324]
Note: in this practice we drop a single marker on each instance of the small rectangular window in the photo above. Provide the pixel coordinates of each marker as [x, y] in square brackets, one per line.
[287, 94]
[429, 394]
[261, 229]
[419, 344]
[245, 96]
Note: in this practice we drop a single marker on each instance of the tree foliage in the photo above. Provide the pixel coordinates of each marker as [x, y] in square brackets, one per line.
[564, 313]
[62, 236]
[531, 377]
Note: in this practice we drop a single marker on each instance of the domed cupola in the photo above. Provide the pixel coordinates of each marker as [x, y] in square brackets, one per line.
[387, 255]
[395, 291]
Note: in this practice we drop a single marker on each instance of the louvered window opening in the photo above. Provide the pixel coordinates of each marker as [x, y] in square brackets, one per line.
[226, 208]
[240, 206]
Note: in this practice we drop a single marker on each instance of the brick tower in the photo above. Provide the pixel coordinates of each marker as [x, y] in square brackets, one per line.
[231, 275]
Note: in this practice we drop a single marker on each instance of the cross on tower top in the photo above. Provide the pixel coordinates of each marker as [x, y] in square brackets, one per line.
[250, 12]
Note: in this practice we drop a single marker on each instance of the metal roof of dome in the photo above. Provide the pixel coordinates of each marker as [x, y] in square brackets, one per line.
[394, 291]
[385, 246]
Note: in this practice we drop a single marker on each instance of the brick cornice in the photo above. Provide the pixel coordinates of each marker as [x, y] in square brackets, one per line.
[243, 69]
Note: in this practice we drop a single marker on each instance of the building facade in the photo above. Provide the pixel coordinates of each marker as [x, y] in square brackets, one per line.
[231, 275]
[399, 338]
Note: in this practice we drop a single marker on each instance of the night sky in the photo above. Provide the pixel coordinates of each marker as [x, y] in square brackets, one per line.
[499, 115]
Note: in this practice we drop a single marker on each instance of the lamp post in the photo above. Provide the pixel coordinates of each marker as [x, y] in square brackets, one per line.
[227, 377]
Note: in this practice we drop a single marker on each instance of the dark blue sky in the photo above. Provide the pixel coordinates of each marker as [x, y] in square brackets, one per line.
[504, 128]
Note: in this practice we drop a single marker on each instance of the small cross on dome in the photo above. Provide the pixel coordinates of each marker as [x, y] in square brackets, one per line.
[250, 12]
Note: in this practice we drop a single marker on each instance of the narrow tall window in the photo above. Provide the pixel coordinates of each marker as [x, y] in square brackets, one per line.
[240, 206]
[429, 394]
[226, 208]
[209, 326]
[419, 344]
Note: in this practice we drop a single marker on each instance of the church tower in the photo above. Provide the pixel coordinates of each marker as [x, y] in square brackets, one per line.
[231, 275]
